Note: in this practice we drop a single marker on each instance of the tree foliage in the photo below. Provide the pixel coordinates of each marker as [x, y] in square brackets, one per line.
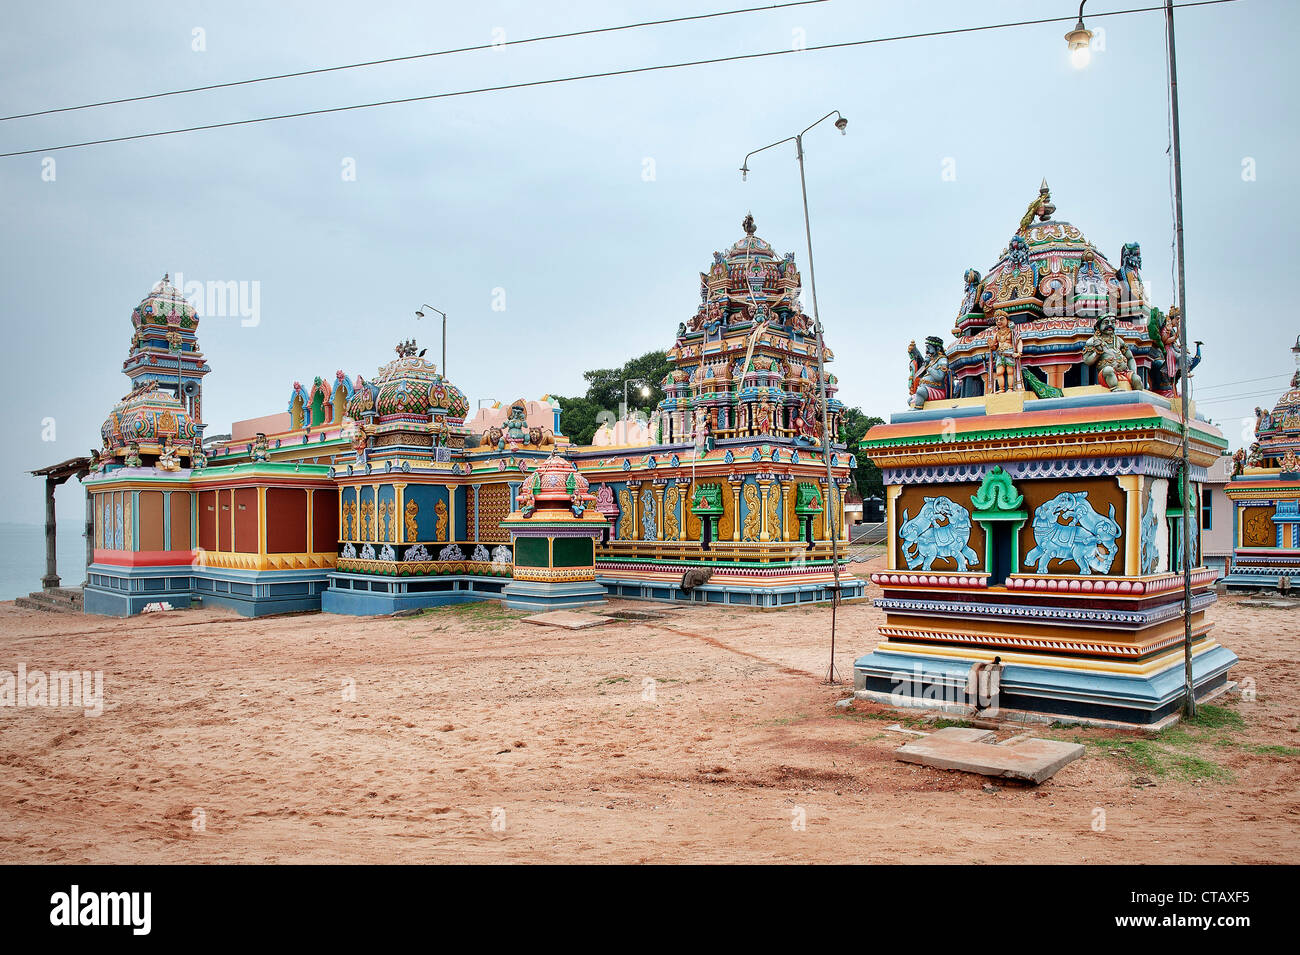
[581, 416]
[867, 475]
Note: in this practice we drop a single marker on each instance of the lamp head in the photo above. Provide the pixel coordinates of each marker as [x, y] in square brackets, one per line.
[842, 124]
[419, 314]
[744, 172]
[1079, 40]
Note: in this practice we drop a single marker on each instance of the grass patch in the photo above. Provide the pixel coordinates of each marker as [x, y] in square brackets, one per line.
[478, 615]
[1216, 717]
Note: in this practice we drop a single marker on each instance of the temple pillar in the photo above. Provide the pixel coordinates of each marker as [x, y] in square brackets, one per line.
[658, 490]
[476, 487]
[764, 534]
[451, 512]
[51, 578]
[399, 513]
[735, 509]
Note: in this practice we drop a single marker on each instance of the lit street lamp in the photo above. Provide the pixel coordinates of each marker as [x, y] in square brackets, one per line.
[645, 392]
[841, 123]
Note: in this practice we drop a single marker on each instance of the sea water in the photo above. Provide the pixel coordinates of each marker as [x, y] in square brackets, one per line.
[22, 557]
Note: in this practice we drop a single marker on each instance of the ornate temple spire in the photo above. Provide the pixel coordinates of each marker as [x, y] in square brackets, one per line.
[748, 224]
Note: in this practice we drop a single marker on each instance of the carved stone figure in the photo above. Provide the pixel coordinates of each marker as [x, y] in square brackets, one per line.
[1107, 351]
[132, 456]
[168, 460]
[1004, 355]
[939, 531]
[1066, 528]
[261, 448]
[928, 378]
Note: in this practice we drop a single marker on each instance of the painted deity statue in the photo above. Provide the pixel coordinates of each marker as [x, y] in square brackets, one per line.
[261, 448]
[1263, 420]
[928, 377]
[1004, 355]
[168, 460]
[513, 432]
[808, 417]
[1107, 351]
[763, 418]
[970, 297]
[198, 458]
[702, 434]
[1168, 367]
[132, 457]
[1129, 272]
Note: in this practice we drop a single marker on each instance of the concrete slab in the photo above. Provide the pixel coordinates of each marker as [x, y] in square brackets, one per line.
[568, 619]
[963, 734]
[1029, 760]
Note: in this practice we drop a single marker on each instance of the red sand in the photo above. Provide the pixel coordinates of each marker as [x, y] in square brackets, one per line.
[468, 711]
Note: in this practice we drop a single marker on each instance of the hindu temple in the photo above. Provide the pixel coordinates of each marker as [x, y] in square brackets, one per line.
[375, 492]
[1265, 495]
[1034, 497]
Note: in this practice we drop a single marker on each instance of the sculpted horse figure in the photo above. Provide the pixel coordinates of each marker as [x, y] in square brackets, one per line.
[1067, 528]
[940, 530]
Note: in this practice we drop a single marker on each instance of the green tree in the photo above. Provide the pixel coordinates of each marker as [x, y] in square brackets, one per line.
[855, 424]
[581, 416]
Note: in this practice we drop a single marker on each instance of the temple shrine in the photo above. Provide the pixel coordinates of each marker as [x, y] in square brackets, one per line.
[1035, 517]
[377, 493]
[1265, 494]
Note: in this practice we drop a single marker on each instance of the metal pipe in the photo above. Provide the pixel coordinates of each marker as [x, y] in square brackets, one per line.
[1190, 685]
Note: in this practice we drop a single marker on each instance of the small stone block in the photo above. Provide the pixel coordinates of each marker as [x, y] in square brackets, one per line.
[1031, 760]
[568, 619]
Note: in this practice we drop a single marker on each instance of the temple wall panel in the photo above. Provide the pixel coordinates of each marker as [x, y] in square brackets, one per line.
[246, 529]
[180, 504]
[152, 530]
[286, 520]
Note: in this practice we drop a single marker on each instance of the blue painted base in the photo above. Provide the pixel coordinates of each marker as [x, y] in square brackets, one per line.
[259, 593]
[113, 591]
[912, 679]
[537, 596]
[766, 598]
[369, 595]
[1237, 580]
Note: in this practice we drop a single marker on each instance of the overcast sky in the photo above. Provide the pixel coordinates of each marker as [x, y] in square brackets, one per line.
[593, 206]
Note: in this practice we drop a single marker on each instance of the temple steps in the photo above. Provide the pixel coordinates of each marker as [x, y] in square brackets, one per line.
[57, 600]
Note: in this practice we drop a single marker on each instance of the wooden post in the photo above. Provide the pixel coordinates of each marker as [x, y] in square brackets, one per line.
[51, 578]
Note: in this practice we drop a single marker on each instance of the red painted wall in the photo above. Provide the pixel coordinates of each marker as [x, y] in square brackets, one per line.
[286, 520]
[325, 521]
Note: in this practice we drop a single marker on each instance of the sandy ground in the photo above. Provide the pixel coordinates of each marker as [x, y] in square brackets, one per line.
[476, 737]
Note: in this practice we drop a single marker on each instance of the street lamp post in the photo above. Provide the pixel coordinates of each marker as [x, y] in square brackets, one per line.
[841, 123]
[1078, 39]
[645, 392]
[420, 314]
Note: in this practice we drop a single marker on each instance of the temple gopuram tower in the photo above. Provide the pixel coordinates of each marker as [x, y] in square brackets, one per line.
[1033, 499]
[1265, 494]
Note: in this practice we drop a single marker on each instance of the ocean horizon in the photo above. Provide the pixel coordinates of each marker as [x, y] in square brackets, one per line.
[22, 557]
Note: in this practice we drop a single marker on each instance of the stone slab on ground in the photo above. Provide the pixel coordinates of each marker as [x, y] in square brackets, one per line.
[568, 619]
[964, 734]
[1028, 760]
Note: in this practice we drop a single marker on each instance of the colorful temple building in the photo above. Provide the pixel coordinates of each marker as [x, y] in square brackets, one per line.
[1265, 494]
[1033, 499]
[375, 494]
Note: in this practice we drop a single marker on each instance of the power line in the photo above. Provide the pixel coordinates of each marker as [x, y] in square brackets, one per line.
[1242, 381]
[409, 57]
[593, 76]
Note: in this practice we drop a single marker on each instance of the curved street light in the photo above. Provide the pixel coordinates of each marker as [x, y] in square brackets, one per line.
[841, 123]
[419, 313]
